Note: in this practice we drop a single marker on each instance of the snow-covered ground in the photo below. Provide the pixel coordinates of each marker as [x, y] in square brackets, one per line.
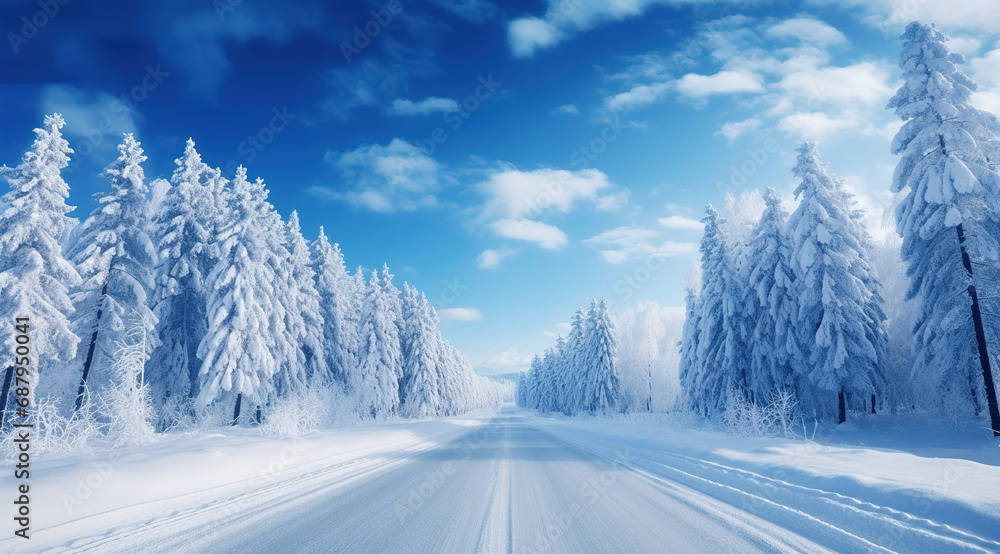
[517, 482]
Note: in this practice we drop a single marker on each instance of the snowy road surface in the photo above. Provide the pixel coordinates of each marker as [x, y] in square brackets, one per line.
[510, 483]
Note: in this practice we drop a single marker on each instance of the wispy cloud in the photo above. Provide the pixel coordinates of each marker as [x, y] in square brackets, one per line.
[427, 106]
[491, 259]
[460, 314]
[398, 177]
[544, 235]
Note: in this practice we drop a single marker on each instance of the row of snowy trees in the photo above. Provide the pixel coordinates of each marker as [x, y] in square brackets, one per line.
[796, 306]
[239, 309]
[787, 304]
[580, 373]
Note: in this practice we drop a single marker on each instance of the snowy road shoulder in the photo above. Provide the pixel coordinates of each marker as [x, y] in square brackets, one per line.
[76, 495]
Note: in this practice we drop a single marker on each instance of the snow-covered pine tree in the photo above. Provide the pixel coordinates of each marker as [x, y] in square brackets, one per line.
[185, 228]
[837, 359]
[339, 304]
[548, 392]
[708, 383]
[114, 256]
[303, 316]
[420, 343]
[572, 363]
[689, 371]
[949, 218]
[531, 381]
[563, 380]
[602, 390]
[241, 349]
[35, 277]
[376, 383]
[770, 306]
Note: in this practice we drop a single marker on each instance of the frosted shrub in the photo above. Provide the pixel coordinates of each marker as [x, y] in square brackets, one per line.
[53, 432]
[127, 403]
[746, 419]
[307, 411]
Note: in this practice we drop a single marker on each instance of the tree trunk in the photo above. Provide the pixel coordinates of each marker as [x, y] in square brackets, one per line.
[842, 405]
[3, 396]
[236, 412]
[257, 416]
[873, 403]
[984, 354]
[90, 350]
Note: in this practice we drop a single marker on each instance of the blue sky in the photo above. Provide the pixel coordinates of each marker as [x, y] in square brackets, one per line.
[513, 160]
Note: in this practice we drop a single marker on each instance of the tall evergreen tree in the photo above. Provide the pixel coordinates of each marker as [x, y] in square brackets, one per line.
[376, 382]
[769, 304]
[115, 256]
[949, 219]
[340, 306]
[421, 343]
[837, 357]
[241, 349]
[186, 229]
[303, 317]
[708, 384]
[572, 362]
[35, 278]
[602, 390]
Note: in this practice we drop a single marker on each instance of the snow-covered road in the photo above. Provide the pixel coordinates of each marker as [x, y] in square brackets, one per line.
[509, 483]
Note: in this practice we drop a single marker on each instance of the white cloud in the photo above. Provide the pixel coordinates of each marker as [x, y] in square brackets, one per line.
[813, 125]
[807, 30]
[427, 106]
[528, 34]
[514, 193]
[637, 96]
[491, 259]
[865, 84]
[985, 71]
[723, 82]
[681, 222]
[779, 80]
[97, 118]
[892, 15]
[631, 243]
[563, 18]
[733, 130]
[392, 178]
[460, 314]
[965, 46]
[507, 360]
[566, 109]
[546, 236]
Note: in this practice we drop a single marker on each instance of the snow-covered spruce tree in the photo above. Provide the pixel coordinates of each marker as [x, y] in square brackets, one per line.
[185, 228]
[602, 390]
[376, 383]
[420, 342]
[708, 383]
[35, 278]
[527, 389]
[548, 398]
[572, 363]
[339, 305]
[769, 304]
[563, 380]
[949, 219]
[303, 316]
[115, 256]
[837, 356]
[240, 350]
[689, 371]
